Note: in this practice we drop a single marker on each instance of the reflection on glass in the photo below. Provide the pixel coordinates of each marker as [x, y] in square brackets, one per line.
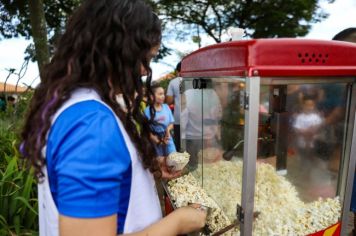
[222, 156]
[191, 115]
[201, 113]
[232, 120]
[304, 127]
[213, 130]
[305, 133]
[300, 140]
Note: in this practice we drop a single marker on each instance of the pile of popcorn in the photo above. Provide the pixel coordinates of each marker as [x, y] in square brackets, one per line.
[186, 190]
[281, 210]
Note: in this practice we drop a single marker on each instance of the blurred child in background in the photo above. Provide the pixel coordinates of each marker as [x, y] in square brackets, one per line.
[163, 120]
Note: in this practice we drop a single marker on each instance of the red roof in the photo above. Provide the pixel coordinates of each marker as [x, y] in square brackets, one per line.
[10, 88]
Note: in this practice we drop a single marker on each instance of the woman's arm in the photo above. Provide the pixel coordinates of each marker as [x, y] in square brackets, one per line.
[105, 226]
[181, 221]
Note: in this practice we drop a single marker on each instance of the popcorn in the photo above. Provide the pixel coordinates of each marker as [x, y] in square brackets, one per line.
[185, 190]
[178, 160]
[282, 212]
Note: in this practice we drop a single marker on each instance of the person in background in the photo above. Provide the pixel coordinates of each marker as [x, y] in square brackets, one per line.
[173, 97]
[348, 35]
[307, 123]
[11, 101]
[162, 118]
[2, 103]
[200, 126]
[144, 102]
[95, 168]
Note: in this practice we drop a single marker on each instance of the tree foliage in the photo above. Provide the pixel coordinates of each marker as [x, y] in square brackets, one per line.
[15, 16]
[15, 21]
[261, 18]
[39, 34]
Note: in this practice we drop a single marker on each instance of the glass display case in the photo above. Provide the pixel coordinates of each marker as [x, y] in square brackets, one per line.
[270, 127]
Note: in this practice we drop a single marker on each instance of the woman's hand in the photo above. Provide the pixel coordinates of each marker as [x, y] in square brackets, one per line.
[181, 221]
[191, 218]
[167, 172]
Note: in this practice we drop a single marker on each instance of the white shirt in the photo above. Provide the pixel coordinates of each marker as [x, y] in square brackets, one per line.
[144, 207]
[201, 115]
[173, 91]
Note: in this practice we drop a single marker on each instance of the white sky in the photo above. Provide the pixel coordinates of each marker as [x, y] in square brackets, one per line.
[342, 15]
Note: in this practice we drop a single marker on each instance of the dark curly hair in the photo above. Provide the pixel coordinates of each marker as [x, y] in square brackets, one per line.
[104, 46]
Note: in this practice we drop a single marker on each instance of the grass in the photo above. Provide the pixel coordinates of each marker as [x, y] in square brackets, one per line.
[18, 188]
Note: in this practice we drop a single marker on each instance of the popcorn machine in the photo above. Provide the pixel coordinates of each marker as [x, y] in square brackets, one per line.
[270, 127]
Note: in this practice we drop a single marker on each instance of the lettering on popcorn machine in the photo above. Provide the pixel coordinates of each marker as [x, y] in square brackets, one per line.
[269, 125]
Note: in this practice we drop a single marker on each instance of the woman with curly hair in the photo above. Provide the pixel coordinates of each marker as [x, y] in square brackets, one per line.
[95, 168]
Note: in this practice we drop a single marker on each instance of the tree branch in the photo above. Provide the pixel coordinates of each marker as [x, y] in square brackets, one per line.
[39, 33]
[219, 21]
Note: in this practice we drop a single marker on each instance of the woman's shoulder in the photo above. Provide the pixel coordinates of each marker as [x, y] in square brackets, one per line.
[85, 126]
[87, 108]
[84, 115]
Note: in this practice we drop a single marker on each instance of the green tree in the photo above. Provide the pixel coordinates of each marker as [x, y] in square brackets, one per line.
[42, 19]
[261, 18]
[38, 26]
[38, 19]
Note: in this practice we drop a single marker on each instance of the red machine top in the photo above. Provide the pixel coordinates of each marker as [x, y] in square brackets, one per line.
[272, 57]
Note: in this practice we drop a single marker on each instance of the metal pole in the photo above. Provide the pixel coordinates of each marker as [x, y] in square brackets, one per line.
[349, 167]
[252, 98]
